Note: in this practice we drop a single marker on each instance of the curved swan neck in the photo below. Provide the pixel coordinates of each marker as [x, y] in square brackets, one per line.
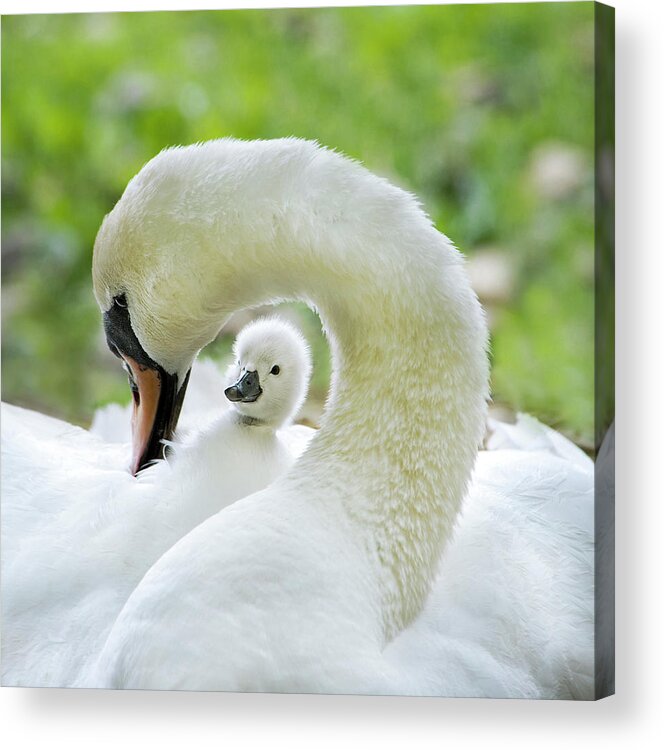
[289, 220]
[406, 411]
[405, 418]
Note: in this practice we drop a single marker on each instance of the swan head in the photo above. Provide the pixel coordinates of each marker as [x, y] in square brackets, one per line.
[156, 282]
[270, 377]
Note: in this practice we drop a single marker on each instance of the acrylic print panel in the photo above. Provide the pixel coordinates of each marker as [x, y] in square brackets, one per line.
[386, 472]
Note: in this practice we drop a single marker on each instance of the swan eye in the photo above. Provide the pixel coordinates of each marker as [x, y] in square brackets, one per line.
[120, 301]
[275, 370]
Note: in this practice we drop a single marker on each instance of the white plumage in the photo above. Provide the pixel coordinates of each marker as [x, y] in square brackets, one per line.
[371, 566]
[79, 531]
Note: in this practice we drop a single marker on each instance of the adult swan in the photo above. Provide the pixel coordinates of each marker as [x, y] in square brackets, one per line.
[320, 582]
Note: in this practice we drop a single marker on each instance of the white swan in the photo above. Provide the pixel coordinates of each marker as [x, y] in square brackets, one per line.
[320, 582]
[79, 532]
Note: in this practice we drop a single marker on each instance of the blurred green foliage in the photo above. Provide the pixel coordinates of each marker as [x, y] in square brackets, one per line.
[454, 103]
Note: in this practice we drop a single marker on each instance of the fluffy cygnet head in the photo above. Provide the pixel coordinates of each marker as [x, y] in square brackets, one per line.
[270, 377]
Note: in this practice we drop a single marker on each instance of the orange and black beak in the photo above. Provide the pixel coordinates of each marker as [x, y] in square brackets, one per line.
[156, 393]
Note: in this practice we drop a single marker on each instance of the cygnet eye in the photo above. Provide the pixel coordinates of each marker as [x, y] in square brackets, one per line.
[275, 370]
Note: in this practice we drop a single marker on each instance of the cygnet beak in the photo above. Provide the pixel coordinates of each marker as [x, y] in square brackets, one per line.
[247, 389]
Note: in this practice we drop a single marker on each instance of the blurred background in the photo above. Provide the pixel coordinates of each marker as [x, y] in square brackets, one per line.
[485, 112]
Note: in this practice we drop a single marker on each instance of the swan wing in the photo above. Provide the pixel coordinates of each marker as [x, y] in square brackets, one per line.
[529, 434]
[250, 601]
[79, 532]
[60, 492]
[511, 613]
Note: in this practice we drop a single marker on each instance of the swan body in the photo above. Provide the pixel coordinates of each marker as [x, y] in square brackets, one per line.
[477, 635]
[79, 532]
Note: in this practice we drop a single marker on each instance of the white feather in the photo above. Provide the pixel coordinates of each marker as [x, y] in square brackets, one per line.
[79, 532]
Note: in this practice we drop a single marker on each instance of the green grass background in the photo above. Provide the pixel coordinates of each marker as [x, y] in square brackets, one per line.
[453, 103]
